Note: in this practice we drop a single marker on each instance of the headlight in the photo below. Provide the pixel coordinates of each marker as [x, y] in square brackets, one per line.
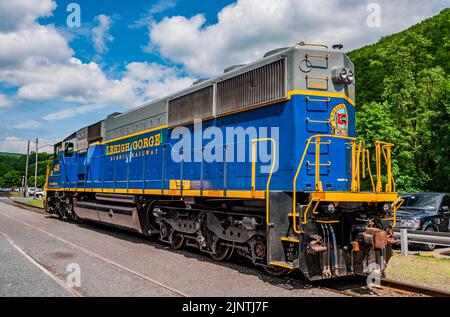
[350, 76]
[409, 223]
[342, 75]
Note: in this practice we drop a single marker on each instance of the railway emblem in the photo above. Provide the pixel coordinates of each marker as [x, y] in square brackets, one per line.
[339, 120]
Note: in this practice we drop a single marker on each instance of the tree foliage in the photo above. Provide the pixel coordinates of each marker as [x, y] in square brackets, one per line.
[12, 179]
[403, 96]
[15, 163]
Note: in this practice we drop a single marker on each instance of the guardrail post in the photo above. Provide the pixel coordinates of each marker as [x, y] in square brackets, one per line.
[404, 241]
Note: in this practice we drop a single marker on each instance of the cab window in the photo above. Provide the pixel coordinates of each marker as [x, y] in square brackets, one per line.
[68, 151]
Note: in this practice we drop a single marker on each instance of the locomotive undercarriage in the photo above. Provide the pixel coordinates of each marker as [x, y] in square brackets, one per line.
[352, 239]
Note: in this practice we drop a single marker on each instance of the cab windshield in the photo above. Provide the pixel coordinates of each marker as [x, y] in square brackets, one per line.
[421, 201]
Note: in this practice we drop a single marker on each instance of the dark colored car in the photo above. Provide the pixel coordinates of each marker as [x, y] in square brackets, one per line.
[425, 211]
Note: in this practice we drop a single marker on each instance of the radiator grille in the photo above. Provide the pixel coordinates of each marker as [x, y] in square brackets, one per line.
[261, 85]
[95, 132]
[195, 105]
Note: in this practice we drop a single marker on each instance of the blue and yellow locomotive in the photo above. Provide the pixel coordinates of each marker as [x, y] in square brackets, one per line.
[262, 161]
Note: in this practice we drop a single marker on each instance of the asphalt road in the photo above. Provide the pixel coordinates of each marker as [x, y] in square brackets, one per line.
[39, 254]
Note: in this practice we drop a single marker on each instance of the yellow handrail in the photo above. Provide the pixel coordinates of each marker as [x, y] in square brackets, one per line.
[395, 207]
[385, 148]
[272, 168]
[317, 138]
[47, 173]
[305, 214]
[367, 157]
[358, 153]
[311, 44]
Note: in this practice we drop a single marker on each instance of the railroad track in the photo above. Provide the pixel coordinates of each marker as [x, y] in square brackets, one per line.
[412, 289]
[355, 286]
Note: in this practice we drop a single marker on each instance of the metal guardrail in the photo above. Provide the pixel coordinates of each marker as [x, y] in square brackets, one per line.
[421, 237]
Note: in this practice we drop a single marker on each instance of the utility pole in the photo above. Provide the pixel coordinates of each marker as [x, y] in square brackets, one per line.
[36, 168]
[25, 187]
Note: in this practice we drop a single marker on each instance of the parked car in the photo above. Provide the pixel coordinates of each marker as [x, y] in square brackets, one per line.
[425, 211]
[39, 192]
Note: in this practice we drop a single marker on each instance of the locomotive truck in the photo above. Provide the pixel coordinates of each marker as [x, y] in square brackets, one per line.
[285, 190]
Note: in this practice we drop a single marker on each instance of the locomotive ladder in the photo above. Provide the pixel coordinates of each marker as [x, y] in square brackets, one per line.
[359, 163]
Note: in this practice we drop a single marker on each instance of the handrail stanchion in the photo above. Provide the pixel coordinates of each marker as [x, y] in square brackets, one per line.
[253, 186]
[378, 165]
[389, 171]
[272, 168]
[370, 170]
[294, 183]
[353, 182]
[317, 166]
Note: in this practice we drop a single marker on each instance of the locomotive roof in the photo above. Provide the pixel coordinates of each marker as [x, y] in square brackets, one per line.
[158, 106]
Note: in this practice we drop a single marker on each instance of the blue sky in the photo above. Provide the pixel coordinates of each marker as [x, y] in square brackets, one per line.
[55, 79]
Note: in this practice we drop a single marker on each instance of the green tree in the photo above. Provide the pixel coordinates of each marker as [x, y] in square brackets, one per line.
[40, 181]
[403, 97]
[12, 179]
[438, 148]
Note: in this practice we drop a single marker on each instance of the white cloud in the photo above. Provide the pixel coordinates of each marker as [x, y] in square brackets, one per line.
[5, 102]
[158, 7]
[40, 63]
[100, 33]
[248, 28]
[13, 144]
[68, 113]
[23, 13]
[30, 124]
[37, 42]
[71, 81]
[154, 81]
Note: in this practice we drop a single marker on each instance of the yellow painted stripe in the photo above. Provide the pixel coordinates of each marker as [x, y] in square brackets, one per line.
[153, 192]
[321, 94]
[290, 239]
[354, 197]
[290, 94]
[283, 265]
[136, 133]
[171, 192]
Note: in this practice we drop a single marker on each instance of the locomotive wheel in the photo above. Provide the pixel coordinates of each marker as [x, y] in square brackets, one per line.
[275, 271]
[222, 252]
[164, 231]
[60, 213]
[176, 241]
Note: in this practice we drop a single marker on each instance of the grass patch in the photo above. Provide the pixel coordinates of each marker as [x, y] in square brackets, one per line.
[36, 203]
[420, 270]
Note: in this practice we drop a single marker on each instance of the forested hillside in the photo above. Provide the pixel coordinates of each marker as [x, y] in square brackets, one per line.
[12, 168]
[403, 96]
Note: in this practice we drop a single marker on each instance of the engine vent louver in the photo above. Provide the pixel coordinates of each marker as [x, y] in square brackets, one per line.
[190, 107]
[261, 85]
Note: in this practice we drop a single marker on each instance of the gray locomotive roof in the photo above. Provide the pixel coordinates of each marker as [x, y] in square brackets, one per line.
[154, 113]
[208, 82]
